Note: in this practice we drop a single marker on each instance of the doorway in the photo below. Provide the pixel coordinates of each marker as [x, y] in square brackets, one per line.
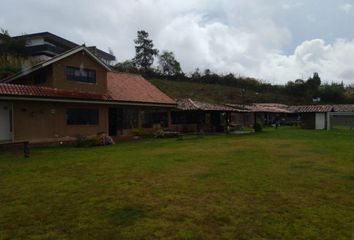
[5, 122]
[115, 121]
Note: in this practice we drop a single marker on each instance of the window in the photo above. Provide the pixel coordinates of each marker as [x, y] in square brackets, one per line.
[151, 118]
[81, 116]
[81, 75]
[130, 118]
[187, 117]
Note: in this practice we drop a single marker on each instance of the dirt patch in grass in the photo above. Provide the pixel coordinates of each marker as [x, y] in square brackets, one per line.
[204, 175]
[127, 215]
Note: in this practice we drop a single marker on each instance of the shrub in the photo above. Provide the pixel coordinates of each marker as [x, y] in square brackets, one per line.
[257, 127]
[100, 139]
[143, 132]
[104, 140]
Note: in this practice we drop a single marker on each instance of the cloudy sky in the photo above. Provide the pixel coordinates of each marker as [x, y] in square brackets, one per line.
[273, 40]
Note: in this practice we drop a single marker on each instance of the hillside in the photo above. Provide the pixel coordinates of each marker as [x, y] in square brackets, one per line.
[217, 93]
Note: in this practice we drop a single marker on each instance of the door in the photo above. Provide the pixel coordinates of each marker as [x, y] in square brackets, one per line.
[215, 121]
[120, 120]
[115, 121]
[112, 122]
[320, 121]
[5, 122]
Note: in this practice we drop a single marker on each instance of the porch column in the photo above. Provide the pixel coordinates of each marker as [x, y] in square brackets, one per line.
[169, 117]
[141, 118]
[328, 122]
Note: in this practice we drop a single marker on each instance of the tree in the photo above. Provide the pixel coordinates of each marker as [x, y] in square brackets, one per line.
[333, 93]
[13, 53]
[10, 46]
[313, 84]
[196, 74]
[297, 89]
[207, 72]
[168, 64]
[126, 66]
[144, 50]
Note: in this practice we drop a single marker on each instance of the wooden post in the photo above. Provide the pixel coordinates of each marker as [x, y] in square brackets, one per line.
[169, 124]
[26, 150]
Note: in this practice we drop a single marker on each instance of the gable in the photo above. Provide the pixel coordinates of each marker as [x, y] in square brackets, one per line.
[54, 60]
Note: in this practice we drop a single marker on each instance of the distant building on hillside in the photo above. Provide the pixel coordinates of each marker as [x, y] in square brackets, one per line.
[45, 45]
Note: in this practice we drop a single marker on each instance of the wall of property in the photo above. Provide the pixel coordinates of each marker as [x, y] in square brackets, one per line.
[308, 120]
[55, 75]
[80, 60]
[243, 119]
[185, 128]
[342, 120]
[43, 120]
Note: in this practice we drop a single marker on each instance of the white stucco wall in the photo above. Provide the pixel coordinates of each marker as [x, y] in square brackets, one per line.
[320, 121]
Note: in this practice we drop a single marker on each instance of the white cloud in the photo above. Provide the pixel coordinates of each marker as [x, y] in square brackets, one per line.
[291, 5]
[334, 62]
[347, 8]
[241, 36]
[218, 46]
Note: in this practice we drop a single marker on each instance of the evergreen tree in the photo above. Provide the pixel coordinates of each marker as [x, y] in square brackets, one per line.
[144, 51]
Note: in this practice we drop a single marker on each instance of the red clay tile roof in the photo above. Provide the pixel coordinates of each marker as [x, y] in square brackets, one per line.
[312, 108]
[37, 91]
[323, 108]
[262, 108]
[121, 87]
[134, 88]
[194, 105]
[343, 108]
[270, 108]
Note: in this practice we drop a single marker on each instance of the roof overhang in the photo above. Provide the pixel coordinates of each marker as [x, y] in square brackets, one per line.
[56, 59]
[87, 101]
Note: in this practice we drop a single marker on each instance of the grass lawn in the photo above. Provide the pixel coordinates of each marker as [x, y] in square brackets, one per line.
[280, 184]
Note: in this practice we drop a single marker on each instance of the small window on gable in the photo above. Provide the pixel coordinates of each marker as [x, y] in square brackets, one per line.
[82, 116]
[80, 75]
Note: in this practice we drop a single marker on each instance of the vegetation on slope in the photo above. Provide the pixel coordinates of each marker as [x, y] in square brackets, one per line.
[218, 93]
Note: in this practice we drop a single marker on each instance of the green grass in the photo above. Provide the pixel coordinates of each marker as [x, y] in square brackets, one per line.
[280, 184]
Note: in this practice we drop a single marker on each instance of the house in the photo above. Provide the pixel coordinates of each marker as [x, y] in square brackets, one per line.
[76, 93]
[45, 45]
[325, 116]
[264, 113]
[197, 116]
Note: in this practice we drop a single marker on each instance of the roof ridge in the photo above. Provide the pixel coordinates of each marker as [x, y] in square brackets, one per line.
[54, 59]
[193, 103]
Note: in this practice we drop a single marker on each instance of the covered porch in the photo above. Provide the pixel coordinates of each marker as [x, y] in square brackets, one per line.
[196, 116]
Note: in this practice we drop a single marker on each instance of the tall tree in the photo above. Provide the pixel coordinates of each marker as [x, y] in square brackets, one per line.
[313, 84]
[168, 64]
[144, 50]
[13, 53]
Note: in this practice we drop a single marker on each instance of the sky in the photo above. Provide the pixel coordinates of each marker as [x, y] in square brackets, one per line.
[273, 40]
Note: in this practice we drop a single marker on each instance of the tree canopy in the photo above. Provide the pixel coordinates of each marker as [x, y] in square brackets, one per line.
[168, 64]
[12, 54]
[144, 50]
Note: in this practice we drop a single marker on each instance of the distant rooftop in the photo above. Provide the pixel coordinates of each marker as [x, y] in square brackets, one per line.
[54, 45]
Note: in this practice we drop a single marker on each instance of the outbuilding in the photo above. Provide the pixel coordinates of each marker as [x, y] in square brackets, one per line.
[322, 117]
[197, 116]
